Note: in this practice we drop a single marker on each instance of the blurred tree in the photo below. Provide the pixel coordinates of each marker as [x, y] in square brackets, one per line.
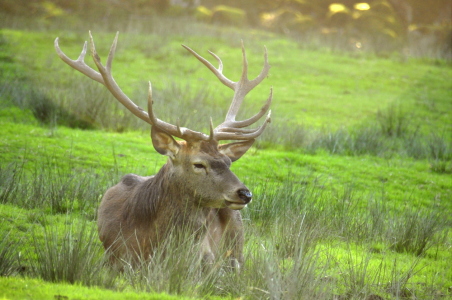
[379, 23]
[429, 12]
[410, 11]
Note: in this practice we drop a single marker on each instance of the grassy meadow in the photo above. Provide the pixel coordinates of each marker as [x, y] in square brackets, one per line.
[352, 180]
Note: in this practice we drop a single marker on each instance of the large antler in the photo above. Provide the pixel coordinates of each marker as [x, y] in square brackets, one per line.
[105, 77]
[230, 129]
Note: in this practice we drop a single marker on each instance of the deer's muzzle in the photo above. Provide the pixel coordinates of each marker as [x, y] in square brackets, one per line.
[244, 196]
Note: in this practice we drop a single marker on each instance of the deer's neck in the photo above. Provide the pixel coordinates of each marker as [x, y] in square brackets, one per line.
[163, 201]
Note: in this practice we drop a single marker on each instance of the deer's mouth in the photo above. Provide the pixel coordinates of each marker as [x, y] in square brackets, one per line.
[234, 205]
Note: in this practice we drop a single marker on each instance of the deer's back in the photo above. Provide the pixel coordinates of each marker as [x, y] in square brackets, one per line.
[114, 228]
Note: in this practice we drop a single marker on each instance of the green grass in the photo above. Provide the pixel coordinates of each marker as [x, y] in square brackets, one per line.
[352, 182]
[29, 288]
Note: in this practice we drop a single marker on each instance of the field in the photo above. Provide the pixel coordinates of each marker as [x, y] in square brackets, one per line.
[352, 180]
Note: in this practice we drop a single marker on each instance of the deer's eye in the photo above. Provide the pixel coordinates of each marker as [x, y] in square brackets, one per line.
[199, 166]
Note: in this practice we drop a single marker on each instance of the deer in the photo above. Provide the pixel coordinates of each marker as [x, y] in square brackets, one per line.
[195, 189]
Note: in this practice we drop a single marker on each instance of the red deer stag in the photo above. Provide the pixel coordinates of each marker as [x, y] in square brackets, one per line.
[194, 188]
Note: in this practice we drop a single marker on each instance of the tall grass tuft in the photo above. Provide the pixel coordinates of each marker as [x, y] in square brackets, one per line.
[440, 151]
[367, 140]
[52, 188]
[415, 231]
[9, 254]
[393, 121]
[295, 266]
[10, 176]
[26, 94]
[286, 134]
[175, 267]
[358, 276]
[399, 286]
[335, 142]
[271, 276]
[70, 254]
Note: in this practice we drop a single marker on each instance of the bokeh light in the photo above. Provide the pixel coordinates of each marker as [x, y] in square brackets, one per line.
[362, 6]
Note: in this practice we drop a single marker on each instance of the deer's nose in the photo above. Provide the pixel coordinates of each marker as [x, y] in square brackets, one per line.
[245, 195]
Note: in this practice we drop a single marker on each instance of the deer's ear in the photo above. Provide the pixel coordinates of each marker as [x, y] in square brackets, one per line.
[235, 150]
[164, 143]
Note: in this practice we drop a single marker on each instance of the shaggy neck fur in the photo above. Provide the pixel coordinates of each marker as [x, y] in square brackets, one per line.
[162, 202]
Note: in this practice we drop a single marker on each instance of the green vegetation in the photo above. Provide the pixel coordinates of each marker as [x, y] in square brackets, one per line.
[27, 288]
[352, 181]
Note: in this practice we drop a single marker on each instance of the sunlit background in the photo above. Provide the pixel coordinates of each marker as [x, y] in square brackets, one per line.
[414, 27]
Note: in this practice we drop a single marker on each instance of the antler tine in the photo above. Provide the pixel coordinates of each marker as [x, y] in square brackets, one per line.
[243, 87]
[242, 134]
[218, 72]
[112, 52]
[253, 119]
[79, 64]
[212, 131]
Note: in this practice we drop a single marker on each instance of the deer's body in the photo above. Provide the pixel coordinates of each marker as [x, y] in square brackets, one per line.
[122, 204]
[195, 191]
[139, 212]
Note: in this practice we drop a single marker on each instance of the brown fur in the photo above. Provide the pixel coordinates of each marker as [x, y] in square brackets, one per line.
[137, 214]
